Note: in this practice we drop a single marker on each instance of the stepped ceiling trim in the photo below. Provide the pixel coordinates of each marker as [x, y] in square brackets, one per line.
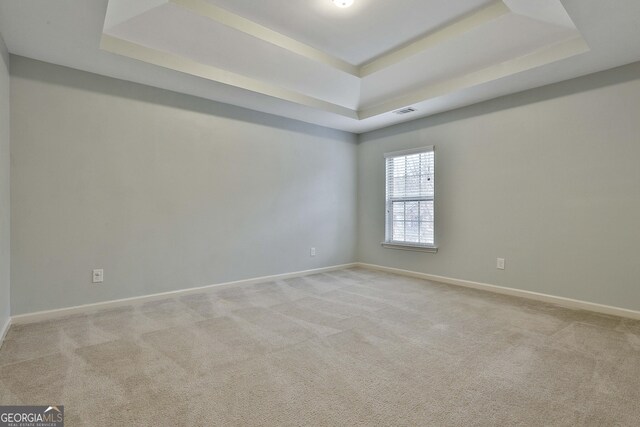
[546, 55]
[451, 30]
[543, 56]
[465, 51]
[209, 72]
[552, 10]
[247, 26]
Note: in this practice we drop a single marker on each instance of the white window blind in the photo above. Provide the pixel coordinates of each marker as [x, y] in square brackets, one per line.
[410, 197]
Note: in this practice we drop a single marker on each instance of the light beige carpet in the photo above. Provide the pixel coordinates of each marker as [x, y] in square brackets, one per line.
[351, 347]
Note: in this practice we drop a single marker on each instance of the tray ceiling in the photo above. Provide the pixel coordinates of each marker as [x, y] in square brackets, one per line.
[358, 34]
[350, 69]
[455, 39]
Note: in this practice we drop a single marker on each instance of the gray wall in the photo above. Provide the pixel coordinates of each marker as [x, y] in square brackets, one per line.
[164, 191]
[5, 252]
[548, 179]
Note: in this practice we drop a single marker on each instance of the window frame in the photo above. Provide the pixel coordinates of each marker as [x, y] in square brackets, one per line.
[388, 236]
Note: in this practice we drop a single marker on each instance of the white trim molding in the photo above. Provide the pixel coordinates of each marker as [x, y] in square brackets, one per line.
[552, 299]
[450, 31]
[182, 64]
[90, 308]
[40, 316]
[121, 11]
[408, 247]
[410, 151]
[545, 55]
[4, 331]
[268, 35]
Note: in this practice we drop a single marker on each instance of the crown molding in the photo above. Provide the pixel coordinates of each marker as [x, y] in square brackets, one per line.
[546, 55]
[451, 31]
[556, 52]
[209, 72]
[268, 35]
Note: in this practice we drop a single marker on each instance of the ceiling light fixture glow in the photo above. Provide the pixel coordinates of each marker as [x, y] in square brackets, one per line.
[342, 3]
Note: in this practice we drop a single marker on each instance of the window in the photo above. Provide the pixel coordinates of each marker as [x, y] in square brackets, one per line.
[410, 199]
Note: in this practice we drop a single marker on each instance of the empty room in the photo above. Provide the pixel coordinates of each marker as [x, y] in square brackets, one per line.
[319, 213]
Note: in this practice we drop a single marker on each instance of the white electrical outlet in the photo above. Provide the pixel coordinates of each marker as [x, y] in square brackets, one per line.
[98, 276]
[500, 264]
[312, 252]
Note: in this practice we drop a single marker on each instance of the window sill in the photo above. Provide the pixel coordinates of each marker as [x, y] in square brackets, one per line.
[409, 247]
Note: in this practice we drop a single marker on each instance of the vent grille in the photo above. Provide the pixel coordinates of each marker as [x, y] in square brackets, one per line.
[405, 110]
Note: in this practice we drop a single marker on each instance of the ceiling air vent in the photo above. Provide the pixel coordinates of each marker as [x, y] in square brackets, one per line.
[405, 110]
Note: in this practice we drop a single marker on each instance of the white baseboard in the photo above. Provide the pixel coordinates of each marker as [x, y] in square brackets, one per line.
[561, 301]
[88, 308]
[4, 331]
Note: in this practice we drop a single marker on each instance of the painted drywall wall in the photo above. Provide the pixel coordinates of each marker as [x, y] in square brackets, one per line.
[163, 191]
[548, 179]
[5, 211]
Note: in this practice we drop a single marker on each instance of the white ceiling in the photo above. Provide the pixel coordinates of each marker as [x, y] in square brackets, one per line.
[171, 28]
[358, 34]
[343, 68]
[507, 37]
